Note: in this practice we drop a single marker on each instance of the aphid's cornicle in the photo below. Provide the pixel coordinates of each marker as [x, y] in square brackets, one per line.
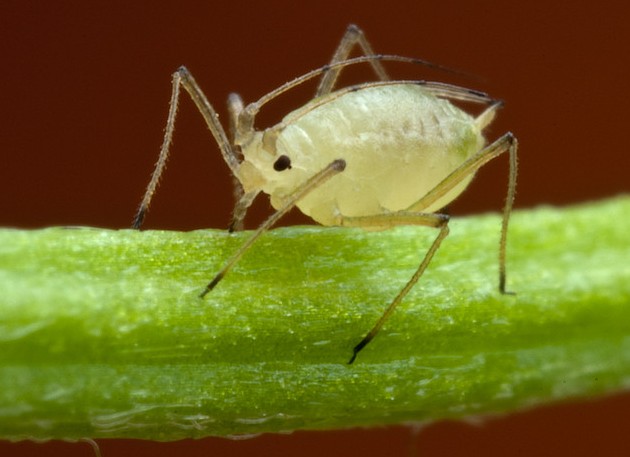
[377, 154]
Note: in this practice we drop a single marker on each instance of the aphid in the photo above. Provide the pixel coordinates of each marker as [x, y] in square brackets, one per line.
[377, 154]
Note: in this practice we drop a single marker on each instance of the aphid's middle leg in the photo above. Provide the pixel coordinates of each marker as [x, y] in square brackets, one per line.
[388, 220]
[182, 77]
[354, 36]
[333, 168]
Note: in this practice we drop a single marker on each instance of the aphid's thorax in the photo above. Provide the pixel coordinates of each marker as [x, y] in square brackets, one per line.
[398, 141]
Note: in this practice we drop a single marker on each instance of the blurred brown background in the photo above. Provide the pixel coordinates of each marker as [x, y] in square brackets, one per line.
[83, 100]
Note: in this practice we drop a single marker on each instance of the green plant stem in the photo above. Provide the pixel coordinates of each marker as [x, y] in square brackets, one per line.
[102, 333]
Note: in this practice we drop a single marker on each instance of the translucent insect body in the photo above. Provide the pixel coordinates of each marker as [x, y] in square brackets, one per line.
[377, 154]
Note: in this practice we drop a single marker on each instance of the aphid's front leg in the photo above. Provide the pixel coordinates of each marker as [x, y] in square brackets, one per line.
[388, 220]
[507, 143]
[352, 37]
[183, 78]
[333, 168]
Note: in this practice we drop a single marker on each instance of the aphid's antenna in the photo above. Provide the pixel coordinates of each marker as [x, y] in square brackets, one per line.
[438, 89]
[253, 108]
[312, 183]
[507, 211]
[354, 38]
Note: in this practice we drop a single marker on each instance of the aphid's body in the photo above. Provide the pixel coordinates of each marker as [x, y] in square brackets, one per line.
[374, 155]
[398, 141]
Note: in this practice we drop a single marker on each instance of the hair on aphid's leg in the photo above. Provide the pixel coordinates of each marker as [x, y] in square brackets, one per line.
[183, 78]
[164, 150]
[352, 37]
[237, 220]
[507, 142]
[436, 220]
[333, 168]
[507, 211]
[242, 201]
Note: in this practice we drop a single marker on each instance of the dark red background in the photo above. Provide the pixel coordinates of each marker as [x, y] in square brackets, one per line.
[83, 100]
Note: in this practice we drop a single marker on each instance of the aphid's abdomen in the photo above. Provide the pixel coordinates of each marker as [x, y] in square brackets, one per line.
[398, 142]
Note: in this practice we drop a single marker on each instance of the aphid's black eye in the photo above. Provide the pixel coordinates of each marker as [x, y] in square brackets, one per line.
[282, 163]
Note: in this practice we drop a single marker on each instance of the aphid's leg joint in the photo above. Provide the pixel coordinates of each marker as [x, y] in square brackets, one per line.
[353, 36]
[183, 78]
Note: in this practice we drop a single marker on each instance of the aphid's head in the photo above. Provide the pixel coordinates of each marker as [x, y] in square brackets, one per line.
[268, 168]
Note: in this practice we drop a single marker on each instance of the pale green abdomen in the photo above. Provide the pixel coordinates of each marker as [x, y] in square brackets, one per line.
[398, 142]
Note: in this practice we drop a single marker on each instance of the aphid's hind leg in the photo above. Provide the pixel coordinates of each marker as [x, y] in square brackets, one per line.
[352, 37]
[388, 220]
[507, 142]
[333, 168]
[183, 78]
